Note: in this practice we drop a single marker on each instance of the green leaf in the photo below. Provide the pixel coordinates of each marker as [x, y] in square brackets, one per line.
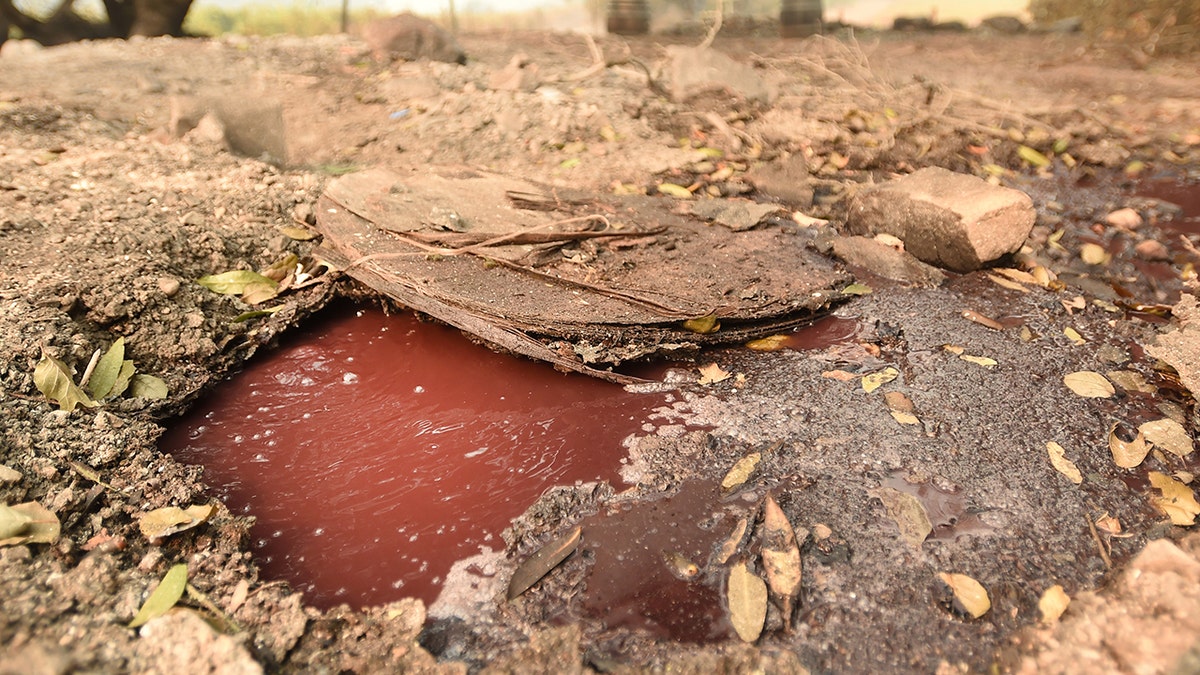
[857, 289]
[234, 282]
[53, 379]
[123, 378]
[147, 386]
[1033, 157]
[703, 325]
[108, 370]
[169, 591]
[298, 233]
[254, 314]
[747, 596]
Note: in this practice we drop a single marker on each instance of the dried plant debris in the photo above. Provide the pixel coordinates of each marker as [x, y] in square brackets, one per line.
[733, 543]
[712, 374]
[873, 381]
[1053, 603]
[908, 512]
[969, 596]
[28, 523]
[1089, 384]
[1168, 435]
[1177, 501]
[539, 564]
[1129, 448]
[164, 597]
[781, 558]
[747, 598]
[1058, 459]
[107, 376]
[170, 520]
[740, 472]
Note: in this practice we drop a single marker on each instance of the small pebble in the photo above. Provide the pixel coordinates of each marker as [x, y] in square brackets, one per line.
[168, 285]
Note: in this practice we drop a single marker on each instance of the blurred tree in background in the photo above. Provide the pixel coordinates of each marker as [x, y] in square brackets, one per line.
[1151, 26]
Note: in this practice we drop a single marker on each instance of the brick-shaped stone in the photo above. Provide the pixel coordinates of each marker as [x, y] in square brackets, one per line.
[952, 220]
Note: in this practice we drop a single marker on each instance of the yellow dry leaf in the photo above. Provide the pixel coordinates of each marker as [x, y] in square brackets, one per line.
[908, 512]
[733, 542]
[746, 596]
[712, 374]
[1007, 283]
[1094, 254]
[1053, 603]
[780, 556]
[904, 417]
[771, 343]
[1131, 381]
[1178, 501]
[970, 597]
[172, 519]
[1074, 336]
[1168, 435]
[1018, 275]
[1089, 384]
[1108, 525]
[703, 324]
[979, 360]
[1127, 453]
[741, 471]
[873, 381]
[954, 349]
[1063, 465]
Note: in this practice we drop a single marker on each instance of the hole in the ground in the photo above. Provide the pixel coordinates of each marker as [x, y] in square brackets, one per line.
[376, 450]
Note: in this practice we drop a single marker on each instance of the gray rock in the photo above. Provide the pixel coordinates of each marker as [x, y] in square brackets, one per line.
[886, 261]
[947, 219]
[410, 37]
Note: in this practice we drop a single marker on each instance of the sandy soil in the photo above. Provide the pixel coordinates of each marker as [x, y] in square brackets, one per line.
[117, 193]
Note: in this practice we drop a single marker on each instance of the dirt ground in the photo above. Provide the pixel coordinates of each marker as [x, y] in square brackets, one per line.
[115, 197]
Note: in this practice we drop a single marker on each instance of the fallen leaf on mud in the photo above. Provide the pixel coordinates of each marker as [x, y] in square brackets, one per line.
[298, 233]
[53, 379]
[1058, 459]
[260, 292]
[712, 374]
[169, 591]
[539, 564]
[1007, 283]
[673, 190]
[954, 349]
[1094, 254]
[741, 471]
[771, 343]
[839, 375]
[747, 597]
[1020, 276]
[908, 512]
[979, 360]
[1053, 603]
[680, 566]
[234, 282]
[1074, 336]
[147, 386]
[172, 520]
[1168, 435]
[280, 269]
[904, 418]
[857, 289]
[1127, 452]
[123, 378]
[873, 381]
[12, 522]
[1089, 384]
[90, 474]
[1033, 157]
[734, 542]
[28, 523]
[1178, 501]
[107, 370]
[254, 314]
[901, 407]
[703, 325]
[970, 597]
[1108, 525]
[1131, 381]
[982, 320]
[781, 557]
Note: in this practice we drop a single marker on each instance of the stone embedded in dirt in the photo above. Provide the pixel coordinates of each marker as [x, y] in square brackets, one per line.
[736, 214]
[518, 75]
[786, 180]
[412, 38]
[886, 261]
[182, 642]
[947, 219]
[693, 71]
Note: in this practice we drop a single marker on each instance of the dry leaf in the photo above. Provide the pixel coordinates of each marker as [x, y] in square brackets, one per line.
[1089, 384]
[733, 542]
[539, 564]
[904, 418]
[28, 523]
[1074, 336]
[979, 360]
[1168, 435]
[954, 349]
[970, 597]
[1094, 254]
[53, 379]
[1130, 381]
[1125, 218]
[169, 591]
[771, 343]
[172, 520]
[712, 374]
[1178, 501]
[676, 191]
[908, 512]
[741, 471]
[1018, 275]
[781, 557]
[1007, 283]
[873, 381]
[1053, 603]
[1063, 465]
[982, 320]
[703, 325]
[747, 597]
[1108, 525]
[898, 402]
[108, 370]
[1127, 453]
[857, 289]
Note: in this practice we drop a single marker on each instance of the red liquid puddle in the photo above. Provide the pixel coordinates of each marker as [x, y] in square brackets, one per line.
[633, 583]
[947, 510]
[378, 450]
[823, 333]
